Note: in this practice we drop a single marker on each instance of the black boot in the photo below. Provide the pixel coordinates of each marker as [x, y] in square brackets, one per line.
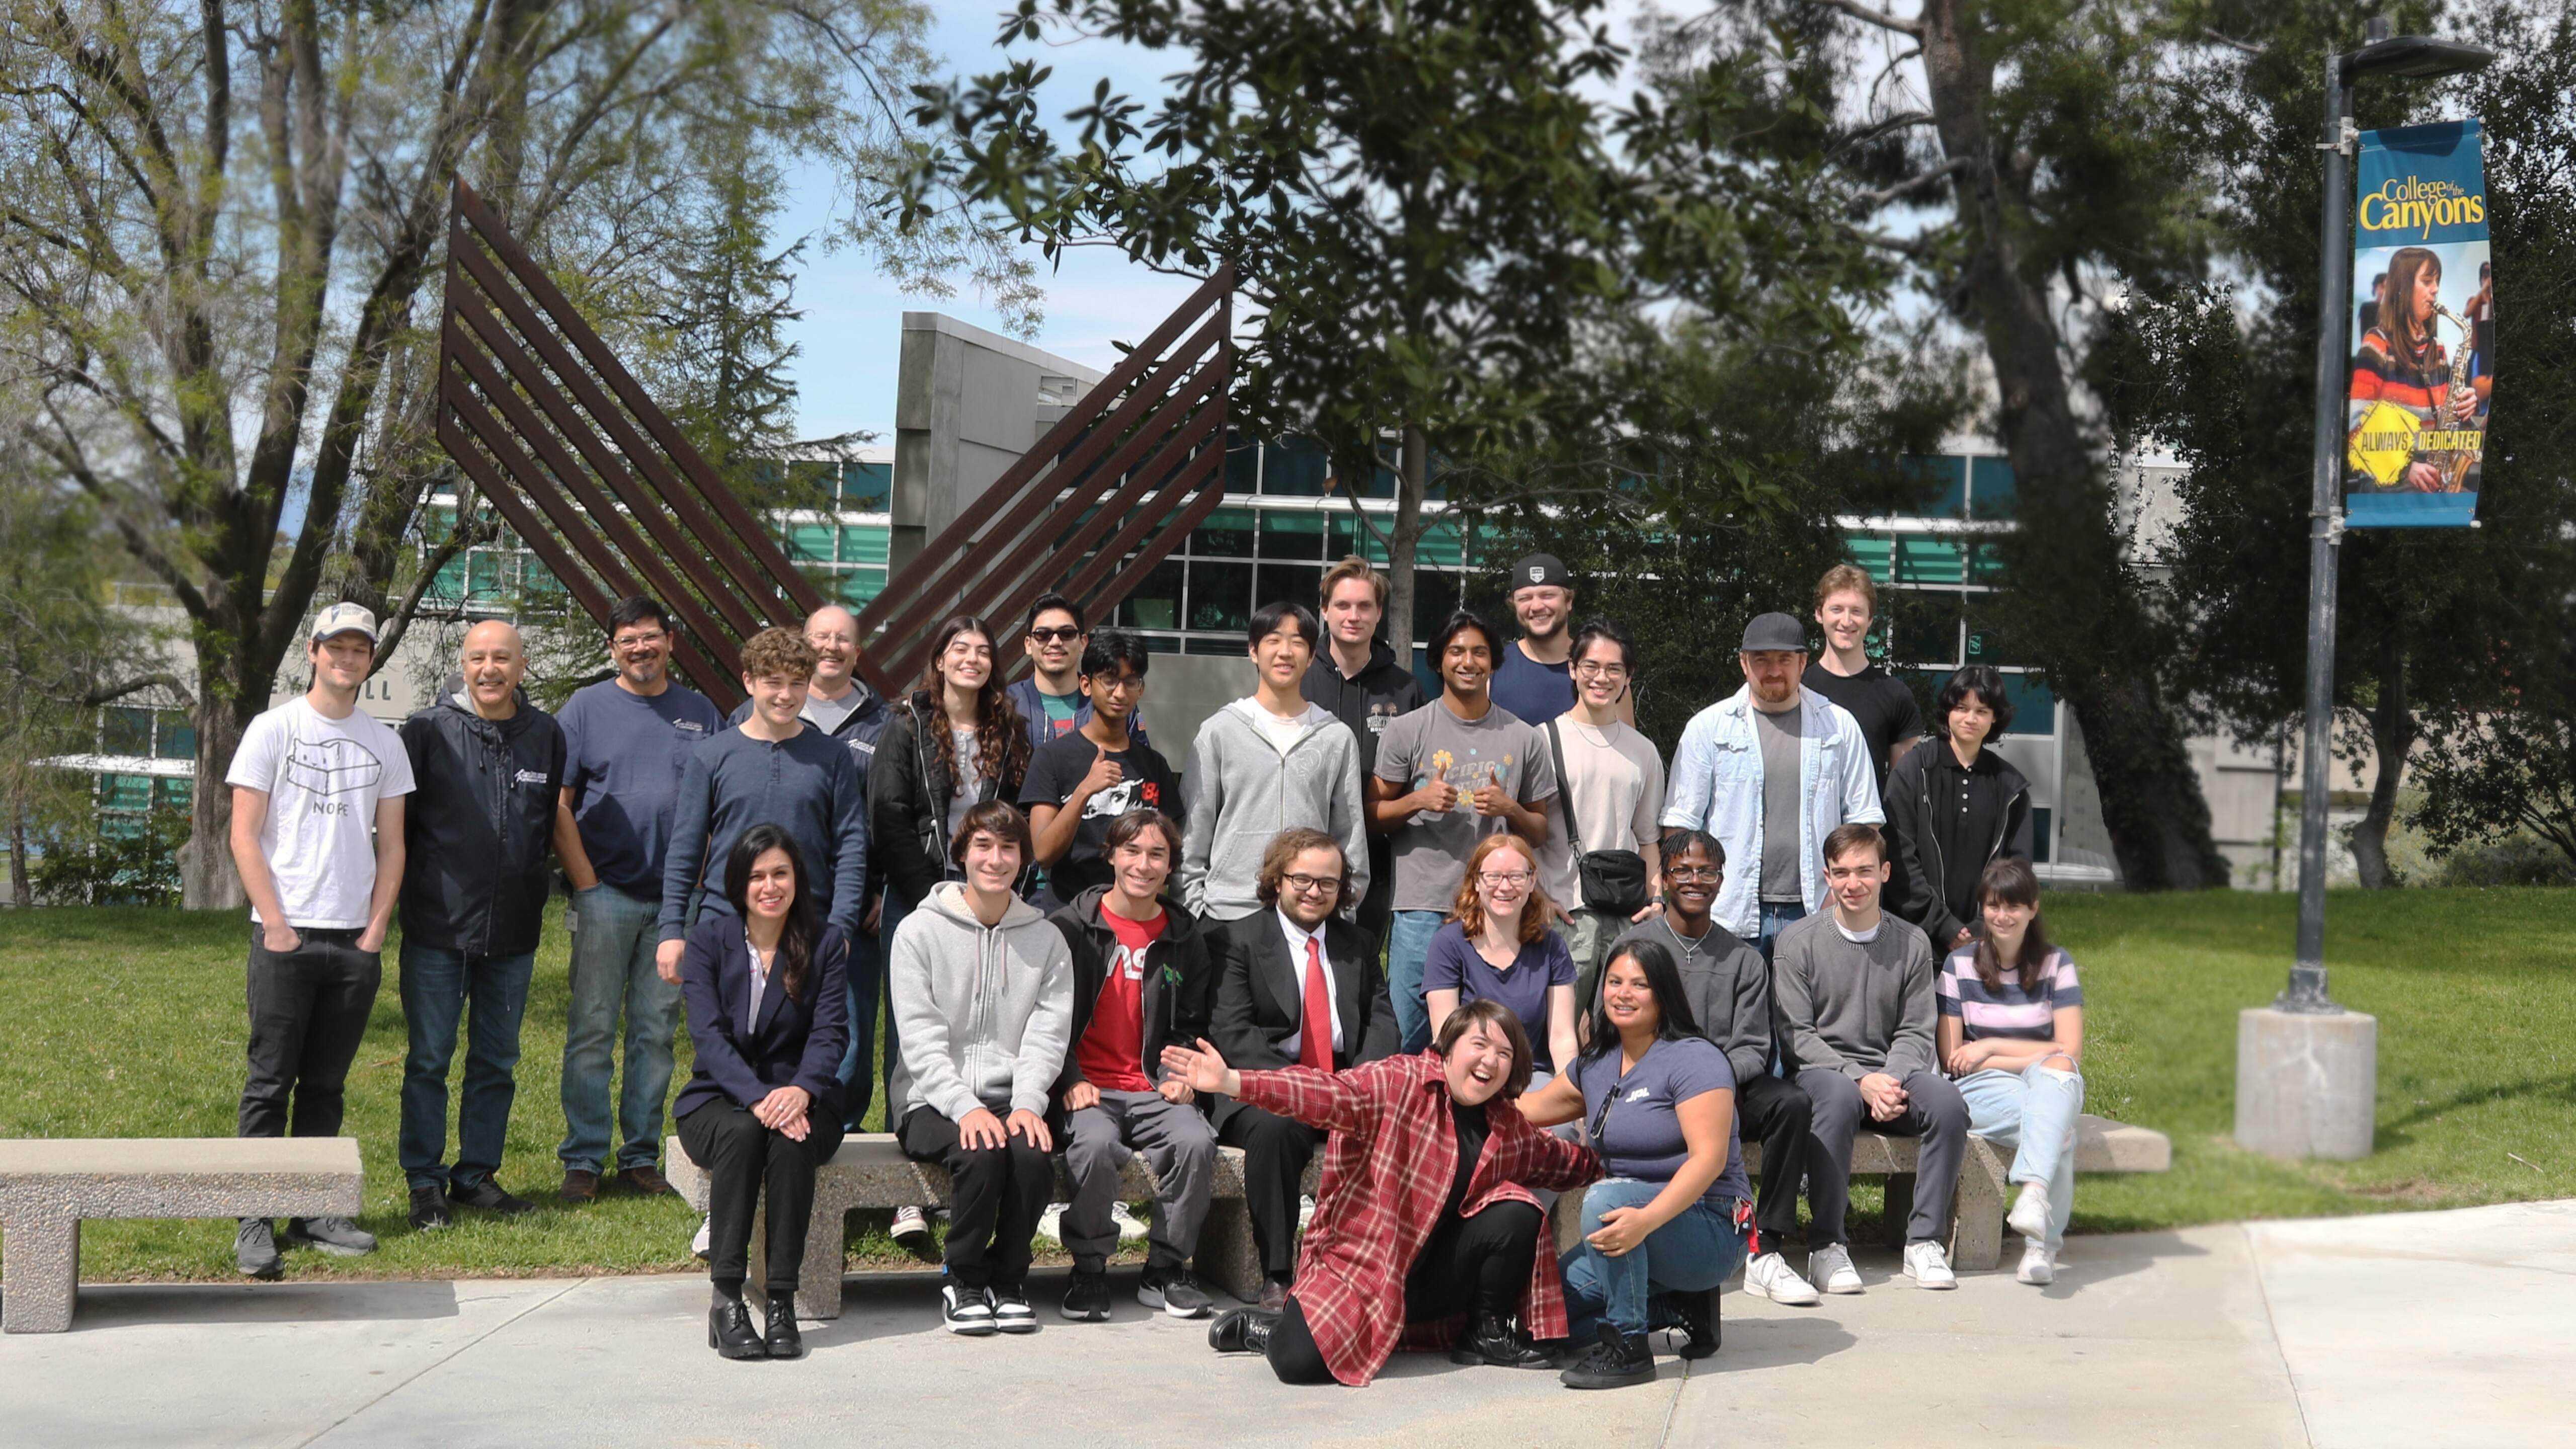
[1493, 1340]
[1699, 1315]
[729, 1330]
[1617, 1361]
[1244, 1330]
[782, 1338]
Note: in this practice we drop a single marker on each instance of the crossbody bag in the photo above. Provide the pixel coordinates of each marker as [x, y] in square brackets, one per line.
[1612, 882]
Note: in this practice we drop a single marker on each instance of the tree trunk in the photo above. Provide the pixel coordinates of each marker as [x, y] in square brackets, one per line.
[21, 893]
[2392, 737]
[207, 880]
[1404, 539]
[2076, 611]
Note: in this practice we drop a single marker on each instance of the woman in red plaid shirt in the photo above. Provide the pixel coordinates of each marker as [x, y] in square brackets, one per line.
[1424, 1214]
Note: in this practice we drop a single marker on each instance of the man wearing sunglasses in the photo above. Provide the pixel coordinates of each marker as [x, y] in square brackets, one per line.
[1050, 699]
[1296, 985]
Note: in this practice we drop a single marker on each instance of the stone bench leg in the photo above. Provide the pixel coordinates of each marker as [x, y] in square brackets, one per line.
[818, 1275]
[1977, 1222]
[1226, 1255]
[42, 1274]
[1899, 1207]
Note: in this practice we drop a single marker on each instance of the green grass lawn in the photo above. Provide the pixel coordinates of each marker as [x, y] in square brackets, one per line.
[118, 1023]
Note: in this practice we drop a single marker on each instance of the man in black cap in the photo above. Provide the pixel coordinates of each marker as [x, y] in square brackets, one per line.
[1771, 770]
[1534, 679]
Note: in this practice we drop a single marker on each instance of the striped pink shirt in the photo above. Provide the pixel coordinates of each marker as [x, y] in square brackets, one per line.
[2009, 1011]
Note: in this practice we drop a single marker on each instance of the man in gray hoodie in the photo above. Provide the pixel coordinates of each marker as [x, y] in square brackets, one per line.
[982, 988]
[1264, 764]
[1857, 1013]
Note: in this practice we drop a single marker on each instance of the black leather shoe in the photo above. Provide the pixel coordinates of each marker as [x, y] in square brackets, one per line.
[1244, 1330]
[729, 1330]
[1495, 1342]
[782, 1337]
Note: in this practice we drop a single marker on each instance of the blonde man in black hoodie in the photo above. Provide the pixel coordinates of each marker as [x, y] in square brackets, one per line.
[1141, 983]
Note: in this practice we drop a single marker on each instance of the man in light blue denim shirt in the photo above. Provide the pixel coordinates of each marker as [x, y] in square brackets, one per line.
[1731, 777]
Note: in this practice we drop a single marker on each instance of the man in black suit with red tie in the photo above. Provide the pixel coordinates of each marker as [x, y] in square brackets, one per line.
[1297, 985]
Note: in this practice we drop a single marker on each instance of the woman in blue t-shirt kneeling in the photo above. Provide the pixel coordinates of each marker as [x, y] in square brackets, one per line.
[2012, 1029]
[1669, 1217]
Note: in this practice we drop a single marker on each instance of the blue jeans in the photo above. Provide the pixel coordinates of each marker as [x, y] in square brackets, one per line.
[2032, 1111]
[864, 982]
[1777, 916]
[1693, 1253]
[1408, 946]
[436, 985]
[613, 941]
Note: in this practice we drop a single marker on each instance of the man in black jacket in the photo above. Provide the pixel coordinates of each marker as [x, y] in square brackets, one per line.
[1140, 984]
[1953, 807]
[1366, 686]
[1296, 985]
[488, 766]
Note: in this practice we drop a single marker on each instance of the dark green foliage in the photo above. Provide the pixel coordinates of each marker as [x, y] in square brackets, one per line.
[115, 861]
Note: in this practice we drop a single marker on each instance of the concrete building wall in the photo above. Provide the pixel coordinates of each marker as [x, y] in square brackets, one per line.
[968, 404]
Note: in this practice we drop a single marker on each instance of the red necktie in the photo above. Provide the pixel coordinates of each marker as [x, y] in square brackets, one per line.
[1315, 1043]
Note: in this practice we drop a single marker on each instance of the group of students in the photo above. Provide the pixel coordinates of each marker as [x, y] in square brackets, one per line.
[1080, 953]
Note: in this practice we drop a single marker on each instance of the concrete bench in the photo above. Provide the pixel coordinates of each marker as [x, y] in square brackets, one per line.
[47, 1186]
[1977, 1212]
[870, 1171]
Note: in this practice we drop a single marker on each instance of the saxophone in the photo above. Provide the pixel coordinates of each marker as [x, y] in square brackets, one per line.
[2458, 461]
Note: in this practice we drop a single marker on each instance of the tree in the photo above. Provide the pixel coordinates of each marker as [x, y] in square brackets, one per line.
[1416, 198]
[2430, 621]
[219, 218]
[2039, 144]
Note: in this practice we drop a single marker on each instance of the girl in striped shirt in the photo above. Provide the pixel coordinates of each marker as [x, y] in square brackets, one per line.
[2012, 1027]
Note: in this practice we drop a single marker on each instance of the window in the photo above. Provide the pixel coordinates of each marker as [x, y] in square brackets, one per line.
[176, 738]
[126, 732]
[1294, 468]
[868, 487]
[1220, 598]
[1992, 492]
[1286, 535]
[1226, 534]
[1156, 602]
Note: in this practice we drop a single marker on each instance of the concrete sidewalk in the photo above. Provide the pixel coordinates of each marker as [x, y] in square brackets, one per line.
[2147, 1339]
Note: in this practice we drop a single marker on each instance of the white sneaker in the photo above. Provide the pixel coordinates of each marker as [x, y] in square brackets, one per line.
[1830, 1267]
[2038, 1264]
[703, 1243]
[1928, 1266]
[1305, 1211]
[2029, 1215]
[1130, 1228]
[909, 1223]
[1770, 1276]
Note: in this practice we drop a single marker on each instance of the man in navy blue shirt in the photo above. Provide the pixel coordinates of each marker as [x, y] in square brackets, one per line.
[1534, 678]
[626, 740]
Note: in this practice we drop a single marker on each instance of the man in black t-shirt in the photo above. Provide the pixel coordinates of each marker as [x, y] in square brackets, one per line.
[1846, 601]
[1078, 784]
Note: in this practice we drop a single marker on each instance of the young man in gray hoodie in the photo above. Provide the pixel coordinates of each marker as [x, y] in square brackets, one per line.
[1857, 1014]
[982, 987]
[1264, 764]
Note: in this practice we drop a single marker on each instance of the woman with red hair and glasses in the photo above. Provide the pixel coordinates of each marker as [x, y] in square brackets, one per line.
[1497, 946]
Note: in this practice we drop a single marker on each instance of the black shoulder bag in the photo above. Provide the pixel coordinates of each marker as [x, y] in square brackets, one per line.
[1612, 882]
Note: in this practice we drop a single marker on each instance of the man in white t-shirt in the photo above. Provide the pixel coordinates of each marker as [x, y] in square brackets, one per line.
[317, 834]
[1612, 782]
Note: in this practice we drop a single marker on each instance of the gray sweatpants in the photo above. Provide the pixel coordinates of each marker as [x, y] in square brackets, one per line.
[1178, 1144]
[1934, 1111]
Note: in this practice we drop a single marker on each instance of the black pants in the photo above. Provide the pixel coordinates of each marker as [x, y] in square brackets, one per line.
[1481, 1262]
[308, 1012]
[1377, 908]
[995, 1197]
[1774, 1111]
[742, 1159]
[1276, 1150]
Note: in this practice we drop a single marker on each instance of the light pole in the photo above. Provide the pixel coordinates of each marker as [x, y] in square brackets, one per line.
[2307, 1070]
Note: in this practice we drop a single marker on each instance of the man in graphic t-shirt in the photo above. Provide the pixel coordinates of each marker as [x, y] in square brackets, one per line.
[1141, 982]
[1078, 784]
[317, 835]
[1879, 702]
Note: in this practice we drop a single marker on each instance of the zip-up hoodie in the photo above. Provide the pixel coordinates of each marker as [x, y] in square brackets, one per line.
[1922, 888]
[1240, 790]
[984, 1013]
[477, 832]
[1172, 1001]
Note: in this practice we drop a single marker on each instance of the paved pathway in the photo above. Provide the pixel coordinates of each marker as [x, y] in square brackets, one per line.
[2425, 1329]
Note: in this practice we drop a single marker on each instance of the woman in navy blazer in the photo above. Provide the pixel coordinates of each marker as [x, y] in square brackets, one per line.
[763, 1109]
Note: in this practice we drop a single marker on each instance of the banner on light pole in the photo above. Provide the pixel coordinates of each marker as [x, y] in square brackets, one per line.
[2423, 368]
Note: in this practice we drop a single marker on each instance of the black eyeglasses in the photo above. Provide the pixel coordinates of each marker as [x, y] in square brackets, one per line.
[1064, 635]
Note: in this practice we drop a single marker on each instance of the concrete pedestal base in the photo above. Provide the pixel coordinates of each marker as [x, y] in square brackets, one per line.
[2306, 1086]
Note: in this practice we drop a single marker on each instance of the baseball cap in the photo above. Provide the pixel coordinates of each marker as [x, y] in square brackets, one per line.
[344, 618]
[1775, 631]
[1540, 570]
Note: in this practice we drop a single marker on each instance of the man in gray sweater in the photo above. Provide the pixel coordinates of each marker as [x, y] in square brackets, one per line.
[982, 987]
[1857, 1012]
[1265, 764]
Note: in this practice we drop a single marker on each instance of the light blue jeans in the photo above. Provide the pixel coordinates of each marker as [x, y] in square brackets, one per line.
[2032, 1111]
[1408, 945]
[1691, 1254]
[613, 941]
